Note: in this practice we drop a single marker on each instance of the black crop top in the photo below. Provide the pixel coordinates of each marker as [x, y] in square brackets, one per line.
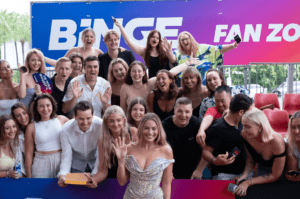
[258, 158]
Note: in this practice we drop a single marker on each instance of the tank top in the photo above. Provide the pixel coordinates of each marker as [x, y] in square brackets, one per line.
[47, 135]
[155, 66]
[6, 162]
[161, 114]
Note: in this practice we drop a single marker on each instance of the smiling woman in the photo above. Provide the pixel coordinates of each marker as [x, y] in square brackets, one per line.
[44, 135]
[9, 142]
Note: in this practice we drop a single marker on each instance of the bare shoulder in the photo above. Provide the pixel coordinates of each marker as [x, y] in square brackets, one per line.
[30, 129]
[204, 91]
[167, 151]
[74, 49]
[98, 51]
[278, 144]
[62, 119]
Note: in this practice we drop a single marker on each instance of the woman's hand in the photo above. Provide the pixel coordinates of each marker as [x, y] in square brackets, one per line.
[238, 179]
[242, 189]
[294, 178]
[13, 174]
[91, 183]
[193, 61]
[37, 89]
[22, 73]
[120, 148]
[166, 45]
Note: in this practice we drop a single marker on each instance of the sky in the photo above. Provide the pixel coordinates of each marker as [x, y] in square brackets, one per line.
[23, 6]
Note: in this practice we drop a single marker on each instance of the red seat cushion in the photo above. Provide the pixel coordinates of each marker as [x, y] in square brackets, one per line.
[291, 102]
[278, 119]
[262, 99]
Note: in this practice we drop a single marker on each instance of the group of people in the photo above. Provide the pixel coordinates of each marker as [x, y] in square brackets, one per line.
[107, 119]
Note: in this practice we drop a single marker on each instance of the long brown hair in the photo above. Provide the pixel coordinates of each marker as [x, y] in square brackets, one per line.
[3, 120]
[137, 100]
[36, 115]
[212, 93]
[173, 89]
[25, 108]
[162, 57]
[128, 78]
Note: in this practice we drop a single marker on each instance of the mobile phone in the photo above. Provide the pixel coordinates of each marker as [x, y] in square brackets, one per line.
[234, 152]
[18, 168]
[113, 18]
[292, 173]
[237, 39]
[23, 69]
[232, 187]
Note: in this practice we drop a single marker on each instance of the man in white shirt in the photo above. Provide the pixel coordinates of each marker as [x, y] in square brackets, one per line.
[88, 87]
[79, 141]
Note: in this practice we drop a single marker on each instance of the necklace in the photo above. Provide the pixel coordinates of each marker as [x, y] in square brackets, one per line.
[45, 123]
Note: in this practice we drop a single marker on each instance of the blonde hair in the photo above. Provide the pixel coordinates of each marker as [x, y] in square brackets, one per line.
[86, 31]
[194, 44]
[107, 138]
[61, 60]
[110, 77]
[292, 142]
[109, 32]
[259, 118]
[161, 137]
[40, 56]
[193, 71]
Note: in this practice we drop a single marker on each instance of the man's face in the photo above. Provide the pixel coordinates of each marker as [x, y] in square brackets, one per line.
[84, 119]
[222, 101]
[183, 114]
[91, 70]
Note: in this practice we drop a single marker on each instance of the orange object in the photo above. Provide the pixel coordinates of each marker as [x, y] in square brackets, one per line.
[76, 178]
[262, 99]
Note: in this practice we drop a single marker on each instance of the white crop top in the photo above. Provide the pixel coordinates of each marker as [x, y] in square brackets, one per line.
[47, 135]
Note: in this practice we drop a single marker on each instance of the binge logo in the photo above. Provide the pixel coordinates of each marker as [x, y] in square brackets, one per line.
[65, 29]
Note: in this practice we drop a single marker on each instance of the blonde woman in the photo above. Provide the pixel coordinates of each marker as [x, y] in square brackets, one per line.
[147, 163]
[35, 64]
[117, 71]
[265, 147]
[114, 126]
[293, 146]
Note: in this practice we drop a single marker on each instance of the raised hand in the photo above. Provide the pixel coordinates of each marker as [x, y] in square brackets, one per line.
[77, 91]
[22, 73]
[120, 148]
[193, 61]
[91, 183]
[118, 23]
[107, 95]
[37, 89]
[166, 45]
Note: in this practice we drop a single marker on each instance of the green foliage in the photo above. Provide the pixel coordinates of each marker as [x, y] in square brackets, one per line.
[14, 26]
[16, 76]
[267, 76]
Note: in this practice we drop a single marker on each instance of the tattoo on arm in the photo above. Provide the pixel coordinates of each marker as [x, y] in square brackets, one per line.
[267, 175]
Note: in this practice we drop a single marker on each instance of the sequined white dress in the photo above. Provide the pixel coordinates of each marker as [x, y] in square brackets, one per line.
[145, 183]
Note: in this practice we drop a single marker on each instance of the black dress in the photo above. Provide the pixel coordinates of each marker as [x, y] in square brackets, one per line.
[155, 66]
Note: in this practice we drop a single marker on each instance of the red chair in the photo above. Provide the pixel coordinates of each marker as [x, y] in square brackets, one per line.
[291, 102]
[262, 99]
[278, 119]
